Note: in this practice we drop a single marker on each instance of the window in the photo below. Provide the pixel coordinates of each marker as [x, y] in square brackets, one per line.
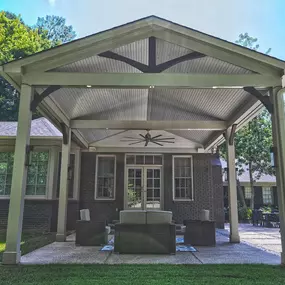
[105, 177]
[182, 178]
[141, 159]
[6, 170]
[247, 192]
[36, 176]
[267, 195]
[37, 173]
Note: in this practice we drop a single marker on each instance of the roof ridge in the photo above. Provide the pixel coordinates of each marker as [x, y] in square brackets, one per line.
[44, 121]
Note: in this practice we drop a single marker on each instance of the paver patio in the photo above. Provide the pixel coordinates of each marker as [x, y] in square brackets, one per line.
[224, 252]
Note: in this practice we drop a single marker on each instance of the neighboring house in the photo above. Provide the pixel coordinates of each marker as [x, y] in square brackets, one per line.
[42, 190]
[109, 182]
[265, 191]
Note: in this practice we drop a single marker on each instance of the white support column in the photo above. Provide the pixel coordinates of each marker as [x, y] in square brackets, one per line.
[12, 255]
[278, 131]
[63, 190]
[232, 188]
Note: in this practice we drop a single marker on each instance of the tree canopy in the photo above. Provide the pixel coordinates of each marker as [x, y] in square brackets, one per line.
[56, 29]
[18, 40]
[254, 140]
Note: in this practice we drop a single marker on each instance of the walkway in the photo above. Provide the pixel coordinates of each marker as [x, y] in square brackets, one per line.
[224, 252]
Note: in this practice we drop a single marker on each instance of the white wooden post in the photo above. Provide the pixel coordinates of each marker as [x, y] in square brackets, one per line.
[63, 190]
[232, 189]
[278, 131]
[12, 255]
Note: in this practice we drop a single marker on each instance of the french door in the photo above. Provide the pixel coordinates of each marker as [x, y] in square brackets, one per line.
[144, 187]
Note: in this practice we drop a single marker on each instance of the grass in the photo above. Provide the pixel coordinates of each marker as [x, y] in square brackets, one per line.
[142, 274]
[30, 241]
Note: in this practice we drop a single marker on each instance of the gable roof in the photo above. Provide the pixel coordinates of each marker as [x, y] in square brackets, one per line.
[121, 89]
[159, 21]
[40, 127]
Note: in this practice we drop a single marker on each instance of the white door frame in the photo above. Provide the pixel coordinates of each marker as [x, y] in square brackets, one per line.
[144, 168]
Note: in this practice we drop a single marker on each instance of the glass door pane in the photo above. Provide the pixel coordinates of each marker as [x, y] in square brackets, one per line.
[135, 186]
[153, 188]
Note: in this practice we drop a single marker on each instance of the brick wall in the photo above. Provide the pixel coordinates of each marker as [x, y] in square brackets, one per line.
[204, 187]
[100, 210]
[40, 214]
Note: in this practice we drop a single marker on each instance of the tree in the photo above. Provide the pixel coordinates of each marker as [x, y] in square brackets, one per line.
[16, 41]
[254, 140]
[56, 30]
[249, 42]
[253, 144]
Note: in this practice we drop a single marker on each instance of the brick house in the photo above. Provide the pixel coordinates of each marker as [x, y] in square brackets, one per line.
[42, 190]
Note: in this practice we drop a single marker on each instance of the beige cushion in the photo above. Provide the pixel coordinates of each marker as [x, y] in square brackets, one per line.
[158, 217]
[133, 217]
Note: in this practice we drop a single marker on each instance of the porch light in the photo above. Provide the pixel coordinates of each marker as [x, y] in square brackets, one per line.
[88, 86]
[272, 153]
[151, 87]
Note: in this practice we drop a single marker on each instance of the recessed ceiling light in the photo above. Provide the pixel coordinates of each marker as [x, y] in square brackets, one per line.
[88, 86]
[107, 128]
[151, 86]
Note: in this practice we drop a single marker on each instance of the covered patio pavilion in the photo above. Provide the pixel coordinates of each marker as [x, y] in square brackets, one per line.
[150, 74]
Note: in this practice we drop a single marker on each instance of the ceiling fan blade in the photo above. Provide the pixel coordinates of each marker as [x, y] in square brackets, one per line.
[156, 136]
[138, 140]
[164, 139]
[131, 138]
[157, 143]
[135, 142]
[142, 136]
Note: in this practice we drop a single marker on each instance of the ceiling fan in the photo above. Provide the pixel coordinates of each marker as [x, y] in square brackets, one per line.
[147, 138]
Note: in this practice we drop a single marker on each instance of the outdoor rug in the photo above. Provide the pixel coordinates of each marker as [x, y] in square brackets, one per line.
[180, 247]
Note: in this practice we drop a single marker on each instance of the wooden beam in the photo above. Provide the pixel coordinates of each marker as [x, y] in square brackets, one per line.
[242, 115]
[265, 100]
[152, 67]
[150, 125]
[152, 54]
[138, 65]
[138, 80]
[190, 56]
[223, 54]
[38, 98]
[232, 134]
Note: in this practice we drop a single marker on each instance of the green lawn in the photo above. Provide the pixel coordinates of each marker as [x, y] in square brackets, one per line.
[142, 274]
[30, 241]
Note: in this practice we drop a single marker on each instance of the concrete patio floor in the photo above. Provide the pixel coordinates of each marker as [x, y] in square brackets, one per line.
[224, 252]
[268, 239]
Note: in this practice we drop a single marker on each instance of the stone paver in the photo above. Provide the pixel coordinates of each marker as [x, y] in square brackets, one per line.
[224, 252]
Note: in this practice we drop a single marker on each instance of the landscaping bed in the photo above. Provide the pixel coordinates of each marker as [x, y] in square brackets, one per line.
[31, 240]
[141, 274]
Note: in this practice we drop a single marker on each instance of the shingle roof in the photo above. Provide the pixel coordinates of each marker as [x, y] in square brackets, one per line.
[244, 177]
[40, 127]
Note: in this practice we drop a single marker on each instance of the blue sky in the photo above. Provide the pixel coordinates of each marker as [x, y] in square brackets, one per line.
[226, 19]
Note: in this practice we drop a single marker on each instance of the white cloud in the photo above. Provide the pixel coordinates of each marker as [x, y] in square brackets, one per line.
[51, 2]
